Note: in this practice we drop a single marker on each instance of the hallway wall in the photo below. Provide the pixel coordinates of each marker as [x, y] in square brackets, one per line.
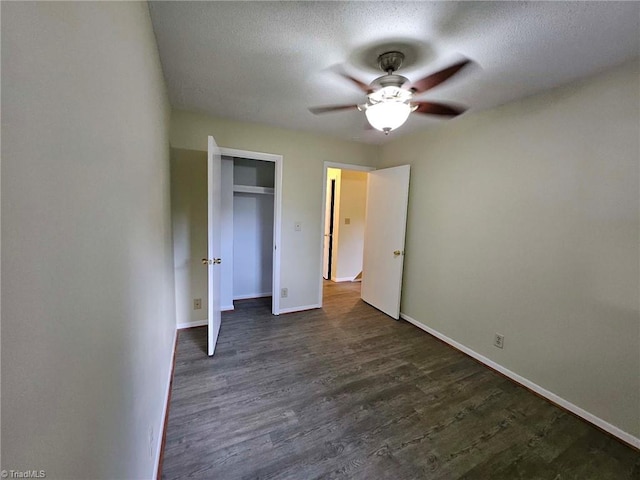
[352, 209]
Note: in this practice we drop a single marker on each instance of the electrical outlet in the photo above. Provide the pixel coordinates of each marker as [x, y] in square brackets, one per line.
[347, 221]
[498, 340]
[197, 303]
[284, 293]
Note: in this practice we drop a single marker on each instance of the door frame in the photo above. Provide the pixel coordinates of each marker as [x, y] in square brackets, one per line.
[326, 167]
[277, 213]
[332, 227]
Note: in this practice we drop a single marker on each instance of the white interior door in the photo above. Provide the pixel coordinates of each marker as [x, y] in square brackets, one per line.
[214, 248]
[327, 232]
[384, 232]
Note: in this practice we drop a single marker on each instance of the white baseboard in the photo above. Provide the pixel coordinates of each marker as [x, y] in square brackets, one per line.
[200, 323]
[299, 309]
[589, 417]
[165, 408]
[252, 295]
[343, 279]
[195, 323]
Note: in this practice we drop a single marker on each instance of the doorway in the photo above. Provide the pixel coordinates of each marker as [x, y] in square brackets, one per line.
[345, 190]
[251, 202]
[383, 215]
[247, 229]
[189, 212]
[329, 229]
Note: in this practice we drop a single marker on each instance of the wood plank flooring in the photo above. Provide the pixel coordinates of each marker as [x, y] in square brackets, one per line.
[347, 392]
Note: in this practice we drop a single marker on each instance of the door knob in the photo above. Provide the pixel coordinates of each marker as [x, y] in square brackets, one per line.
[216, 261]
[397, 252]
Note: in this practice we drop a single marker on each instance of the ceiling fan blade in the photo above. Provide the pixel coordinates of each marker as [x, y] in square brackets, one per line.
[340, 70]
[437, 78]
[431, 108]
[362, 86]
[332, 108]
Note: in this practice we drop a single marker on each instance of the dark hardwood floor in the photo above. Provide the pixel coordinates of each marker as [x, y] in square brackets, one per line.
[347, 392]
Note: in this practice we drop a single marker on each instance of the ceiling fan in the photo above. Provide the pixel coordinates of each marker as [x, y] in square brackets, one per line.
[390, 98]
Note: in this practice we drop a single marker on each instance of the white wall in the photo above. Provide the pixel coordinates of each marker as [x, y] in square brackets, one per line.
[253, 230]
[88, 318]
[256, 173]
[353, 200]
[304, 156]
[524, 220]
[189, 219]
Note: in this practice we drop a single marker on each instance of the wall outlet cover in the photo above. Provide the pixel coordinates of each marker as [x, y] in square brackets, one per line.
[498, 340]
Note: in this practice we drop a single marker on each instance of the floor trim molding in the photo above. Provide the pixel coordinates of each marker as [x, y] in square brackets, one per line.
[621, 435]
[202, 323]
[162, 437]
[195, 323]
[252, 295]
[299, 309]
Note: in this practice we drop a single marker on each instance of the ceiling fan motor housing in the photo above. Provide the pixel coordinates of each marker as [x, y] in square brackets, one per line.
[389, 62]
[389, 81]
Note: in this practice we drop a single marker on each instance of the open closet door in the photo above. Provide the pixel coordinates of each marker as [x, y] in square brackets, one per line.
[214, 227]
[384, 232]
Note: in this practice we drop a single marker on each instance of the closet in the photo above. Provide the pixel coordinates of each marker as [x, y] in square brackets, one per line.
[247, 229]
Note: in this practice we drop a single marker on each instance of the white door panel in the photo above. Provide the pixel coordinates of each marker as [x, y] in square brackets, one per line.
[214, 248]
[386, 220]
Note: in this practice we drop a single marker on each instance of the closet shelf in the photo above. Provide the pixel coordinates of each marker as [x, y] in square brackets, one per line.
[252, 189]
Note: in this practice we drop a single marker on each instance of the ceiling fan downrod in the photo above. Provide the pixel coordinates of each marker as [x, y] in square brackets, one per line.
[389, 62]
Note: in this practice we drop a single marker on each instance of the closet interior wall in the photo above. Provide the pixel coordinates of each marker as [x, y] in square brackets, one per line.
[247, 229]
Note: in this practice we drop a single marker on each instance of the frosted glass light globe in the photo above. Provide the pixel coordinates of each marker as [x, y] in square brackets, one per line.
[387, 116]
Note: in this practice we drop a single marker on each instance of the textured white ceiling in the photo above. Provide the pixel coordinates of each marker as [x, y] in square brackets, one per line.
[267, 62]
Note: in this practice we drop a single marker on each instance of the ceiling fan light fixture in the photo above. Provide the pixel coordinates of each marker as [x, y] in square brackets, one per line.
[390, 93]
[387, 116]
[390, 97]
